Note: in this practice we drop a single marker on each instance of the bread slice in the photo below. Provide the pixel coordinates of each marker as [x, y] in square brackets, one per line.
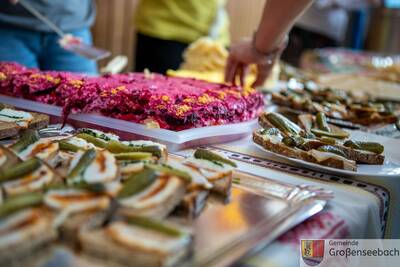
[11, 129]
[332, 160]
[8, 129]
[219, 174]
[361, 156]
[39, 121]
[192, 204]
[156, 201]
[135, 246]
[24, 235]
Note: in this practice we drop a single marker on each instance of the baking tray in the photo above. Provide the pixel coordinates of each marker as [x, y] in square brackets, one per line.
[175, 140]
[260, 209]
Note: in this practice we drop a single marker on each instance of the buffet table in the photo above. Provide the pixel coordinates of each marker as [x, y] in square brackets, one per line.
[360, 209]
[289, 186]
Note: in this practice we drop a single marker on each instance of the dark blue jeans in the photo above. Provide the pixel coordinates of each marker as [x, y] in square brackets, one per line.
[41, 50]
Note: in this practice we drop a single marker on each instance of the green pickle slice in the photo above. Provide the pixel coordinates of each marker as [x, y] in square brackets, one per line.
[85, 160]
[19, 202]
[367, 146]
[117, 147]
[28, 137]
[337, 134]
[91, 139]
[133, 156]
[137, 183]
[20, 170]
[65, 146]
[283, 123]
[169, 170]
[154, 225]
[321, 122]
[332, 149]
[208, 155]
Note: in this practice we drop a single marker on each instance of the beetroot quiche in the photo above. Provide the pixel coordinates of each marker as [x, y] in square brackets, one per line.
[166, 102]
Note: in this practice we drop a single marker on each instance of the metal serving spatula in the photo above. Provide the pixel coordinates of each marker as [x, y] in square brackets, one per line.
[68, 41]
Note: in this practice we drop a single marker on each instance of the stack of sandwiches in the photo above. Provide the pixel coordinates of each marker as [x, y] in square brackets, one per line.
[112, 200]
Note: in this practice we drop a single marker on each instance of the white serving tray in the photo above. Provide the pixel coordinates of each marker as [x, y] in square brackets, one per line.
[390, 167]
[175, 140]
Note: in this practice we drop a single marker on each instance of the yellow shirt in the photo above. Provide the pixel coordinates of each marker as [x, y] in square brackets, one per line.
[182, 20]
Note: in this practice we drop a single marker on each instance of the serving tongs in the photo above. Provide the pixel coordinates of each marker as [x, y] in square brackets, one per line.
[68, 41]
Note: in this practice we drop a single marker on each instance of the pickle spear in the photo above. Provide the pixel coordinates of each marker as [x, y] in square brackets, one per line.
[336, 134]
[137, 183]
[20, 202]
[28, 137]
[208, 155]
[117, 147]
[133, 156]
[20, 170]
[169, 170]
[332, 149]
[322, 124]
[153, 225]
[293, 141]
[367, 146]
[282, 123]
[99, 134]
[85, 160]
[95, 188]
[328, 140]
[65, 146]
[91, 139]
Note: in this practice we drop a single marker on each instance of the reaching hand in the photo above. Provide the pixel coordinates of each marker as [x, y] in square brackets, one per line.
[242, 54]
[13, 2]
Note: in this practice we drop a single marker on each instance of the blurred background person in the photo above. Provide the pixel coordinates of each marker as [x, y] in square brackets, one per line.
[166, 27]
[324, 24]
[28, 41]
[267, 43]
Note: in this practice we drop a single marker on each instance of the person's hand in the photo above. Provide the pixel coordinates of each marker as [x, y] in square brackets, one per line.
[13, 2]
[241, 55]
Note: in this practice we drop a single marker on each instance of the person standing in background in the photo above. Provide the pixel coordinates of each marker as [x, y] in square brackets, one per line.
[28, 41]
[324, 24]
[166, 27]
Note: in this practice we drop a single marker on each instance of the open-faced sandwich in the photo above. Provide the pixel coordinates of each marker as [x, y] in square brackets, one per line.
[337, 104]
[312, 139]
[12, 121]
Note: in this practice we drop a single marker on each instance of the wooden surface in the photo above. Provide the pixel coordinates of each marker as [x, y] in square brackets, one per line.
[114, 27]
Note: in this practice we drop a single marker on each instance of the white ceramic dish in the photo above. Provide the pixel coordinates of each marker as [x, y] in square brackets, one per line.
[390, 168]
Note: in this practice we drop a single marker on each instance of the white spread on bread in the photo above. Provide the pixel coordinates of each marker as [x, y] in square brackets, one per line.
[102, 169]
[31, 182]
[273, 138]
[75, 200]
[21, 118]
[322, 156]
[155, 194]
[80, 142]
[43, 149]
[135, 237]
[21, 227]
[132, 168]
[198, 180]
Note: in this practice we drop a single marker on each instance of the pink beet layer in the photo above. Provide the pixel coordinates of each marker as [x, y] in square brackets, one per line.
[174, 103]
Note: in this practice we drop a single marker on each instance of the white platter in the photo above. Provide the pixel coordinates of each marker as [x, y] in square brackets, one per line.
[390, 168]
[175, 140]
